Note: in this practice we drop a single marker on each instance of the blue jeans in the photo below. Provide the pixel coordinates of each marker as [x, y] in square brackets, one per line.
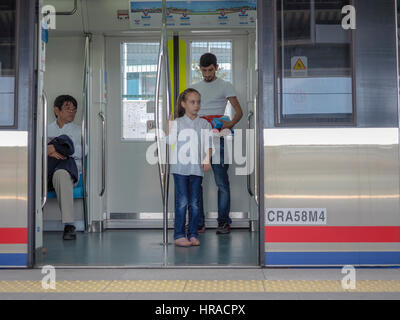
[224, 194]
[187, 196]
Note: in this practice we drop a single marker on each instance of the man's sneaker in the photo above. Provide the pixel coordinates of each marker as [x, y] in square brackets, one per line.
[201, 229]
[69, 233]
[223, 228]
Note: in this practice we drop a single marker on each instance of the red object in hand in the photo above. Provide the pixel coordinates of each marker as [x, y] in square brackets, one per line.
[211, 118]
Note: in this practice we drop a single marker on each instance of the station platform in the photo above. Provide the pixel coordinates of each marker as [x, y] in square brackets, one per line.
[201, 284]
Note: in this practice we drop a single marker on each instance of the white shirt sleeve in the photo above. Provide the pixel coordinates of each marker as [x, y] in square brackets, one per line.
[229, 90]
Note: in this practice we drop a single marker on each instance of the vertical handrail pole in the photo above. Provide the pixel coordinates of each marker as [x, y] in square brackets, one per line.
[249, 116]
[157, 117]
[103, 154]
[44, 150]
[163, 164]
[84, 129]
[167, 111]
[256, 151]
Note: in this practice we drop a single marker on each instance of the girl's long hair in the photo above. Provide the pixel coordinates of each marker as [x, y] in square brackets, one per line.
[182, 97]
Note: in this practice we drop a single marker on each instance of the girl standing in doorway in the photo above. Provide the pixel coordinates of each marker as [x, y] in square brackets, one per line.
[192, 137]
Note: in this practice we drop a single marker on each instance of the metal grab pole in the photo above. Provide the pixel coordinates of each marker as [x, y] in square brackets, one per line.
[103, 154]
[69, 13]
[167, 111]
[84, 129]
[44, 150]
[256, 153]
[157, 117]
[249, 116]
[163, 166]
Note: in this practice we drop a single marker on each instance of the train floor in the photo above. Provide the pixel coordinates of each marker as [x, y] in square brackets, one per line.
[143, 248]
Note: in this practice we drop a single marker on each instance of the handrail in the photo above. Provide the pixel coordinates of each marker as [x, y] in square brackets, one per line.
[84, 128]
[249, 116]
[44, 150]
[103, 152]
[157, 116]
[69, 13]
[256, 144]
[163, 167]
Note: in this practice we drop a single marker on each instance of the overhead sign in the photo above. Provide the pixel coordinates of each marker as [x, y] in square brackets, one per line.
[299, 66]
[194, 14]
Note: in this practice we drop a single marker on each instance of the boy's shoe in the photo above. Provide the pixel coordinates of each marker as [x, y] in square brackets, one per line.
[182, 242]
[194, 241]
[223, 228]
[201, 229]
[69, 233]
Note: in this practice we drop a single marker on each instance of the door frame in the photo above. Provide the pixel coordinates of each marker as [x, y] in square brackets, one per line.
[266, 64]
[25, 85]
[200, 37]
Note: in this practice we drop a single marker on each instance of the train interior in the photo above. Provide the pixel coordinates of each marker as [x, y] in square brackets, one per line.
[315, 183]
[96, 54]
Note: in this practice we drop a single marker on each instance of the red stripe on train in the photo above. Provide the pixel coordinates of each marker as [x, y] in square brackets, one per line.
[13, 235]
[331, 234]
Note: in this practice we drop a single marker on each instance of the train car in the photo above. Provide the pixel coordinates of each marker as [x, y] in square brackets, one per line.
[313, 163]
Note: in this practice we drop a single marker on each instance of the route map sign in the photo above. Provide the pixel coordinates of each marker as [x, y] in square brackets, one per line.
[194, 14]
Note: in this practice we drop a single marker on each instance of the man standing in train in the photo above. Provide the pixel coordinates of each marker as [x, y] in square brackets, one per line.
[215, 93]
[65, 108]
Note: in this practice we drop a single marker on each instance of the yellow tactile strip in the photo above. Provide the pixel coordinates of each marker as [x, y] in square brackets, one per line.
[330, 286]
[201, 286]
[225, 286]
[146, 286]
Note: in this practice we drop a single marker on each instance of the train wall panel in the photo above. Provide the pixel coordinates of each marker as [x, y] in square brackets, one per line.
[355, 184]
[64, 71]
[13, 198]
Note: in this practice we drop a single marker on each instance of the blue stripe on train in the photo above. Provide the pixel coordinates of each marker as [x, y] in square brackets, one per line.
[331, 258]
[387, 258]
[13, 259]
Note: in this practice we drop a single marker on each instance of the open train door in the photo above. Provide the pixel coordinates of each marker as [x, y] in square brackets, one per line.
[17, 132]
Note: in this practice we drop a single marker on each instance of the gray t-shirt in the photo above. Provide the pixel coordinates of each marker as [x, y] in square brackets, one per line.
[190, 141]
[214, 96]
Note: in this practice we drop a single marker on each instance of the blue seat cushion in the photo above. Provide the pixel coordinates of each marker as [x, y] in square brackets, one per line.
[78, 191]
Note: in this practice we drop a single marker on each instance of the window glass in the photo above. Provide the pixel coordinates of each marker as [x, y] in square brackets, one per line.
[139, 73]
[7, 63]
[314, 74]
[139, 67]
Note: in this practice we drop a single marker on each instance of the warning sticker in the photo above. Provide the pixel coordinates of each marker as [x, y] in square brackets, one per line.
[299, 66]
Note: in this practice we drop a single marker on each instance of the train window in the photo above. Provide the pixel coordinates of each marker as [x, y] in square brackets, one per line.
[314, 70]
[139, 73]
[7, 64]
[223, 51]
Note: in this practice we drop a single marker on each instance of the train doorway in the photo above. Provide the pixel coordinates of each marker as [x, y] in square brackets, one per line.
[119, 217]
